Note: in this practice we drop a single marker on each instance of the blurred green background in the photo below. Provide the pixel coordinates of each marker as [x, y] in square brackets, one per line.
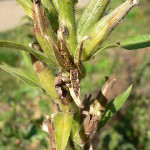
[22, 108]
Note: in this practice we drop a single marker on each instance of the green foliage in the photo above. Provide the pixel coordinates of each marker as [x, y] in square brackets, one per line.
[62, 124]
[39, 55]
[95, 8]
[27, 76]
[114, 106]
[136, 42]
[27, 5]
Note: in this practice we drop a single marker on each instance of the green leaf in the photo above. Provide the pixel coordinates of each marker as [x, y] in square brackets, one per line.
[45, 35]
[114, 106]
[102, 29]
[27, 6]
[39, 55]
[136, 42]
[90, 16]
[94, 53]
[27, 76]
[62, 125]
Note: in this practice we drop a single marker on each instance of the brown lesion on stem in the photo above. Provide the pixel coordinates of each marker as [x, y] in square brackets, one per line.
[94, 113]
[48, 126]
[62, 90]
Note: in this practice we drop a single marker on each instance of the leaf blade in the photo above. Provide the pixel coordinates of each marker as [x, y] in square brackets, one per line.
[27, 76]
[62, 124]
[10, 44]
[114, 106]
[27, 5]
[90, 16]
[136, 42]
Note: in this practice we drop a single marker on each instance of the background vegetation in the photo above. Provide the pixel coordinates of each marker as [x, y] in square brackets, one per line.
[22, 108]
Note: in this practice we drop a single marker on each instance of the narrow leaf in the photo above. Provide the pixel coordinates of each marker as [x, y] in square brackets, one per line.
[27, 76]
[136, 42]
[45, 76]
[27, 5]
[90, 16]
[100, 31]
[114, 106]
[62, 125]
[45, 34]
[39, 55]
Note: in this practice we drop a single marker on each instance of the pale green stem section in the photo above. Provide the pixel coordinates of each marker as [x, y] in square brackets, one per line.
[27, 6]
[90, 16]
[67, 20]
[105, 26]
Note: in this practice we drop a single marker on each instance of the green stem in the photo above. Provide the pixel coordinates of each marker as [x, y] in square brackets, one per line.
[67, 21]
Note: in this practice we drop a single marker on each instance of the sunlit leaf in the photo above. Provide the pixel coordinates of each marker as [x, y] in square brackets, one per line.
[103, 28]
[27, 5]
[45, 35]
[136, 42]
[90, 16]
[39, 55]
[114, 106]
[27, 76]
[62, 124]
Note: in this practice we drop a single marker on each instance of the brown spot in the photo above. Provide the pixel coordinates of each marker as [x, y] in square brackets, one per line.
[75, 77]
[50, 126]
[75, 86]
[90, 125]
[118, 43]
[36, 26]
[38, 66]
